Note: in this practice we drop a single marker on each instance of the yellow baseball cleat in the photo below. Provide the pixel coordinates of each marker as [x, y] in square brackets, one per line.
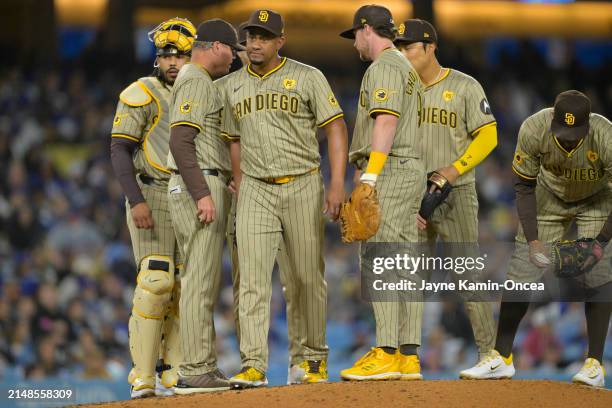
[249, 377]
[316, 371]
[375, 365]
[409, 367]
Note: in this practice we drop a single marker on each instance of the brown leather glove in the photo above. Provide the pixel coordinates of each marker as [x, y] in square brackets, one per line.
[360, 215]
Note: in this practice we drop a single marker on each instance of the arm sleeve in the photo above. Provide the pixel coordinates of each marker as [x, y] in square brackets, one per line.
[386, 87]
[484, 142]
[526, 206]
[182, 147]
[129, 122]
[526, 161]
[122, 150]
[323, 102]
[478, 112]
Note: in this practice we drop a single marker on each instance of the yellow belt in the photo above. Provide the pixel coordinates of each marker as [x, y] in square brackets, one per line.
[286, 179]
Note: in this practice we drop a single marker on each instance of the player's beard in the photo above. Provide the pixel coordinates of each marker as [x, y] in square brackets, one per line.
[166, 78]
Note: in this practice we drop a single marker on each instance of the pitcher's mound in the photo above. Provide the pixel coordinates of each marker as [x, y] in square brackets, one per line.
[429, 394]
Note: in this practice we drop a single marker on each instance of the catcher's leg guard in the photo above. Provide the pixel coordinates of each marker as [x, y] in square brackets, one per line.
[172, 351]
[153, 292]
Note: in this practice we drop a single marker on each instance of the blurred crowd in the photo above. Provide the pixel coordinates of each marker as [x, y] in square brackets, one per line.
[67, 272]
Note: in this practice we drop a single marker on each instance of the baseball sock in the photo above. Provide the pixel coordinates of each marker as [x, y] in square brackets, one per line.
[510, 316]
[409, 349]
[389, 350]
[598, 319]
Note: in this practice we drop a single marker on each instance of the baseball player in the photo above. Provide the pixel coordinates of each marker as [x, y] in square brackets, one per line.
[296, 327]
[563, 166]
[277, 104]
[139, 147]
[199, 198]
[385, 148]
[458, 132]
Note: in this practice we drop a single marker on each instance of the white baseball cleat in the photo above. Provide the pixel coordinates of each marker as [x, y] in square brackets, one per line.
[592, 373]
[295, 374]
[491, 367]
[161, 390]
[142, 389]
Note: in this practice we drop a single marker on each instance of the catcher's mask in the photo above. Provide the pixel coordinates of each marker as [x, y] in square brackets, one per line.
[173, 37]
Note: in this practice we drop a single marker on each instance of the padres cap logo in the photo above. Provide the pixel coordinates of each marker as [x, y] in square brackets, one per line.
[263, 16]
[592, 156]
[381, 94]
[448, 95]
[117, 120]
[401, 29]
[185, 107]
[332, 100]
[570, 119]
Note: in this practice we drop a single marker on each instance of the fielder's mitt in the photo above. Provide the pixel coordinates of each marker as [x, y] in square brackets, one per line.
[360, 215]
[574, 258]
[433, 199]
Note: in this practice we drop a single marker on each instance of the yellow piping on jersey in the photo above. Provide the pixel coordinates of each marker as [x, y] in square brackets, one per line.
[124, 136]
[523, 175]
[448, 70]
[256, 75]
[331, 119]
[563, 149]
[230, 137]
[394, 113]
[146, 137]
[186, 123]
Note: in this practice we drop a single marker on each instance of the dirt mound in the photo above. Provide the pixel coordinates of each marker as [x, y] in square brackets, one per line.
[515, 393]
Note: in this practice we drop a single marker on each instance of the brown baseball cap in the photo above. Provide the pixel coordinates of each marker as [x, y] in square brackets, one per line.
[268, 20]
[218, 30]
[416, 30]
[571, 116]
[373, 15]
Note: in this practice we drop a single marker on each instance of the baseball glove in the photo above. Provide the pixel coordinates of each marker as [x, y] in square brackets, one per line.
[433, 199]
[360, 215]
[574, 258]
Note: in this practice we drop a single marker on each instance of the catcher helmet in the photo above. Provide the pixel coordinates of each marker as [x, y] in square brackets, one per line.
[174, 36]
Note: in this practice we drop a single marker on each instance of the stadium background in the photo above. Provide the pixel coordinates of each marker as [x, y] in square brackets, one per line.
[66, 267]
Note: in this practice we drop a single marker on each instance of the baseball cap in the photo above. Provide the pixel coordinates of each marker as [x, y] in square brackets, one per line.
[571, 115]
[218, 30]
[416, 30]
[242, 33]
[372, 15]
[268, 20]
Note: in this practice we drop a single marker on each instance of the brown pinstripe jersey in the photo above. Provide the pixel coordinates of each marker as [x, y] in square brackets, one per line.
[276, 117]
[570, 176]
[195, 102]
[389, 85]
[146, 122]
[453, 109]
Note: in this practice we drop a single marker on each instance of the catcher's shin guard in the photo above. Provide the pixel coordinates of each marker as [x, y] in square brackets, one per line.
[172, 352]
[151, 297]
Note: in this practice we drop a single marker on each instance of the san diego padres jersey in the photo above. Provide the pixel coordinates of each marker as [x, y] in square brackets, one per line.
[276, 116]
[142, 116]
[195, 102]
[570, 175]
[453, 109]
[389, 85]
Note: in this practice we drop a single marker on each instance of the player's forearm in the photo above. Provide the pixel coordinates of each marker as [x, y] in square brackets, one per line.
[337, 146]
[182, 147]
[483, 144]
[526, 207]
[235, 161]
[383, 133]
[606, 231]
[121, 159]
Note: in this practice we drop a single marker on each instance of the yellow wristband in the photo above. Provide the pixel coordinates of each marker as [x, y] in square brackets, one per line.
[376, 162]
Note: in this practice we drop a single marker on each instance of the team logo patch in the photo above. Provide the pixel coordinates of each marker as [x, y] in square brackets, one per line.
[263, 16]
[117, 120]
[289, 83]
[485, 107]
[332, 100]
[185, 107]
[570, 119]
[448, 95]
[401, 29]
[519, 157]
[592, 156]
[381, 95]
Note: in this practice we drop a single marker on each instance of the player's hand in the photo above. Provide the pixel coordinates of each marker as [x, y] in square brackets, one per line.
[206, 209]
[450, 173]
[232, 187]
[333, 200]
[537, 254]
[421, 222]
[141, 214]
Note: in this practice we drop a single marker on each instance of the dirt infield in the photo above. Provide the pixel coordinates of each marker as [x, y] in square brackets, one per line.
[456, 394]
